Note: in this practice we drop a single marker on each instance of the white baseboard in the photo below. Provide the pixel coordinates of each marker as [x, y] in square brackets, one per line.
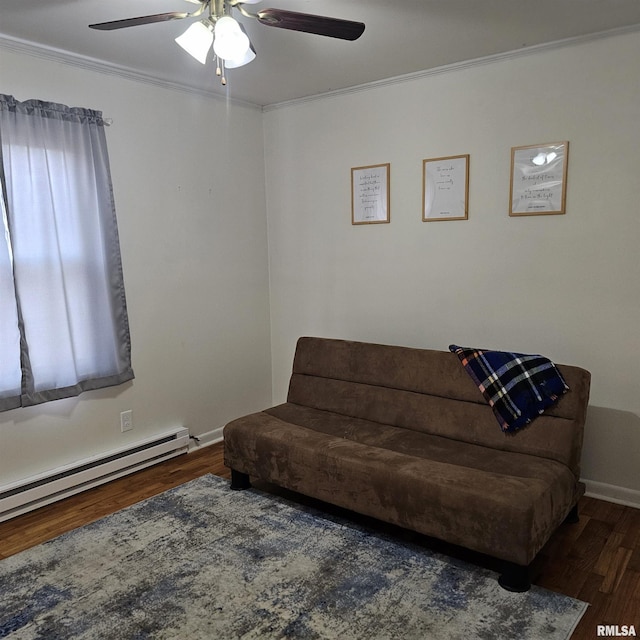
[612, 493]
[61, 482]
[206, 439]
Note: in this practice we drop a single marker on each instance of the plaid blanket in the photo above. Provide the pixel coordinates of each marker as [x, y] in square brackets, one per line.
[517, 386]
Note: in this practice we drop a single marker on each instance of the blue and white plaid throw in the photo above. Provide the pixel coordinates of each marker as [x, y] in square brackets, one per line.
[517, 386]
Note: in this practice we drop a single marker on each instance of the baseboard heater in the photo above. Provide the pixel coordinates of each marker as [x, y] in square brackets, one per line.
[56, 484]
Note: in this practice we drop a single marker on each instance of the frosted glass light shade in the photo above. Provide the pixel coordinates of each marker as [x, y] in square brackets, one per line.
[230, 42]
[196, 41]
[240, 62]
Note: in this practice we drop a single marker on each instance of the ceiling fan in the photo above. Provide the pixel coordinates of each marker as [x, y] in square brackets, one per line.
[231, 44]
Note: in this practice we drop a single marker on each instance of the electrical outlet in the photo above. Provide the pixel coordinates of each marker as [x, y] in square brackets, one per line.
[126, 420]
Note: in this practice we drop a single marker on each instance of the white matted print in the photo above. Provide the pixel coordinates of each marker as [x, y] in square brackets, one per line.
[538, 179]
[445, 188]
[370, 199]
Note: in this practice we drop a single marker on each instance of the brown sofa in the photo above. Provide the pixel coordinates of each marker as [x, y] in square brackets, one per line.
[404, 435]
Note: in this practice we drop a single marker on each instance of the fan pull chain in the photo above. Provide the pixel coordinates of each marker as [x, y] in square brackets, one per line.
[220, 70]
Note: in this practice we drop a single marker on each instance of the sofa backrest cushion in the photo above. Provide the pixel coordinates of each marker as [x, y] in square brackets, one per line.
[429, 391]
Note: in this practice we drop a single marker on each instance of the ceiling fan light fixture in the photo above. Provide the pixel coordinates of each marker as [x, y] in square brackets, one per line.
[230, 42]
[197, 40]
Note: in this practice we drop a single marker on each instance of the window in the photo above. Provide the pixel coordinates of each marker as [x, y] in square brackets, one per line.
[63, 318]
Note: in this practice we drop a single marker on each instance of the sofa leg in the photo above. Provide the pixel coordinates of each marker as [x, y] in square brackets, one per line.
[572, 516]
[515, 578]
[239, 480]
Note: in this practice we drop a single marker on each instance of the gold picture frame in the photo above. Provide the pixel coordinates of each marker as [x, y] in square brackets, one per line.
[539, 179]
[370, 194]
[445, 188]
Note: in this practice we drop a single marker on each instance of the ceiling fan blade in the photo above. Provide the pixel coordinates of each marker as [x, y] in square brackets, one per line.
[320, 25]
[134, 22]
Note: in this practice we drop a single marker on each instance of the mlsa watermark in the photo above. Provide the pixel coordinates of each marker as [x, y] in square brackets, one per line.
[615, 630]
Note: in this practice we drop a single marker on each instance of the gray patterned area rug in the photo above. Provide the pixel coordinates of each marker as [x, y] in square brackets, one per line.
[204, 562]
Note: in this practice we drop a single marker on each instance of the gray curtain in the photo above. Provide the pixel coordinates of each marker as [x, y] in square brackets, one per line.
[63, 315]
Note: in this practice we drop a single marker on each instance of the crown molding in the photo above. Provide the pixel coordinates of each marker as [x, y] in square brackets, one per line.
[93, 64]
[459, 66]
[100, 66]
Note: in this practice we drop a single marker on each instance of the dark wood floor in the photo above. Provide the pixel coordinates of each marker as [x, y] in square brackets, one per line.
[596, 560]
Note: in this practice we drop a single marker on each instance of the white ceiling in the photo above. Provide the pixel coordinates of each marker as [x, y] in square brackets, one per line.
[401, 37]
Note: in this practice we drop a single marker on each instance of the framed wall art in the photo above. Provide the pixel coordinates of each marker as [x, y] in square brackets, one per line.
[538, 179]
[370, 199]
[445, 188]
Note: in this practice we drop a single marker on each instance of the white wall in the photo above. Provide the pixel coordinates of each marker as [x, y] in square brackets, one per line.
[194, 251]
[194, 242]
[566, 286]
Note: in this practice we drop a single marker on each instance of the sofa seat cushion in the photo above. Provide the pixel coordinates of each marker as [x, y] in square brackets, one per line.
[495, 502]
